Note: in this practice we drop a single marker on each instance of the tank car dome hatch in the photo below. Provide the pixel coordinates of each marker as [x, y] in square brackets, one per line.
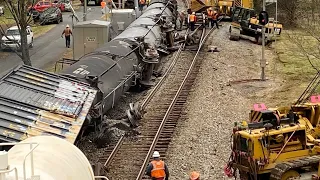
[53, 159]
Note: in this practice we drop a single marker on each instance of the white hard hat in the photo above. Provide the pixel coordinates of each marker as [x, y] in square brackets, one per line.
[156, 154]
[67, 25]
[193, 13]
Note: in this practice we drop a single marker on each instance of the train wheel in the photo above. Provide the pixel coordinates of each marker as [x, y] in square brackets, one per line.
[291, 174]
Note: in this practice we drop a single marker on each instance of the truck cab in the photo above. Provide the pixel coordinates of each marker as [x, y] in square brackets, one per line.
[12, 38]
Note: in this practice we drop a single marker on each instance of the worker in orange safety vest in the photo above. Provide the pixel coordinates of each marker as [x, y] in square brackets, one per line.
[103, 6]
[194, 176]
[210, 16]
[157, 169]
[142, 3]
[215, 19]
[192, 20]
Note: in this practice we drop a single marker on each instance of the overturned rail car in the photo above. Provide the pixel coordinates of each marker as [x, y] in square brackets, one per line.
[35, 102]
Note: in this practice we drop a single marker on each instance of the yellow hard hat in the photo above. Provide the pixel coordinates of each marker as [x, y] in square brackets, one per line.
[194, 175]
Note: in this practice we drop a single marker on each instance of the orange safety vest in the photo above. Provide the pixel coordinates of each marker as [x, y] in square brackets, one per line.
[210, 13]
[142, 1]
[192, 18]
[215, 16]
[158, 169]
[103, 4]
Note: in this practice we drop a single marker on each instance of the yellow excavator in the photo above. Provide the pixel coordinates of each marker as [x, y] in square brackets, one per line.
[224, 7]
[278, 143]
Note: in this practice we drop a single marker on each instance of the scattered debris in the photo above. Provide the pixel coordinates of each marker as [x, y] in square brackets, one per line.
[213, 49]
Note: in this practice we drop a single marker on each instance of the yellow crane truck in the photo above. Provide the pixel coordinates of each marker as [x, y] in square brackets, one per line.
[277, 143]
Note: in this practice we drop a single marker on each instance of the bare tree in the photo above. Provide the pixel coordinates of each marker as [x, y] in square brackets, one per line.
[287, 10]
[19, 11]
[306, 36]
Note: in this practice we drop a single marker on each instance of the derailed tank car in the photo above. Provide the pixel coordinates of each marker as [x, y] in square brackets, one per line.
[129, 58]
[35, 102]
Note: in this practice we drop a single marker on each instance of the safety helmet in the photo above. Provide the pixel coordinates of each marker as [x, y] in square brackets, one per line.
[210, 8]
[156, 154]
[194, 175]
[214, 11]
[67, 25]
[193, 13]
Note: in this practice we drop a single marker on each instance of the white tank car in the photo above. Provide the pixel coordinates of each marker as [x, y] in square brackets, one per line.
[53, 159]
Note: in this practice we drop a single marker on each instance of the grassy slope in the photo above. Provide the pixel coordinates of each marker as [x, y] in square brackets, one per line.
[292, 67]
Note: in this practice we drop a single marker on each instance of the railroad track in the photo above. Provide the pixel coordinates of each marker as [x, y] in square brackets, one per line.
[129, 158]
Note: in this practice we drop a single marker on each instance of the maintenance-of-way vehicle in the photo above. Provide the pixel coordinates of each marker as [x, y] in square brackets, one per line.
[245, 25]
[279, 143]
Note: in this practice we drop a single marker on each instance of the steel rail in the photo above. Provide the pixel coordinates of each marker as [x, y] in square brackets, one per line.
[114, 151]
[152, 147]
[148, 99]
[156, 88]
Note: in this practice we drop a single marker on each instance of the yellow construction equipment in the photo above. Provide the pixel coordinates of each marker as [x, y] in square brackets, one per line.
[225, 8]
[202, 5]
[277, 143]
[245, 25]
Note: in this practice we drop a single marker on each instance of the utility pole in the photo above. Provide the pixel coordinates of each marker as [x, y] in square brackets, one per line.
[136, 7]
[263, 61]
[85, 2]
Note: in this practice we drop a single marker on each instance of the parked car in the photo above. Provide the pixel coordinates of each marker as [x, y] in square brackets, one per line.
[35, 14]
[58, 4]
[52, 14]
[67, 5]
[12, 38]
[42, 5]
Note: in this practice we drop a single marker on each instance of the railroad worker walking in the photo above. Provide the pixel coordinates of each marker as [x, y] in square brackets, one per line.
[215, 19]
[142, 3]
[67, 33]
[210, 16]
[194, 176]
[103, 6]
[157, 169]
[192, 20]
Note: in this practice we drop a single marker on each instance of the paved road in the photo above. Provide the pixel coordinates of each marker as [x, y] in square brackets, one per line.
[49, 47]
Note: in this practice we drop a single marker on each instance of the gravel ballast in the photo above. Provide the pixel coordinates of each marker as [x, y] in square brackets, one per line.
[202, 139]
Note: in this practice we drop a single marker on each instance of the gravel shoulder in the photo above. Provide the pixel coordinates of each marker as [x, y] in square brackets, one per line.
[202, 139]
